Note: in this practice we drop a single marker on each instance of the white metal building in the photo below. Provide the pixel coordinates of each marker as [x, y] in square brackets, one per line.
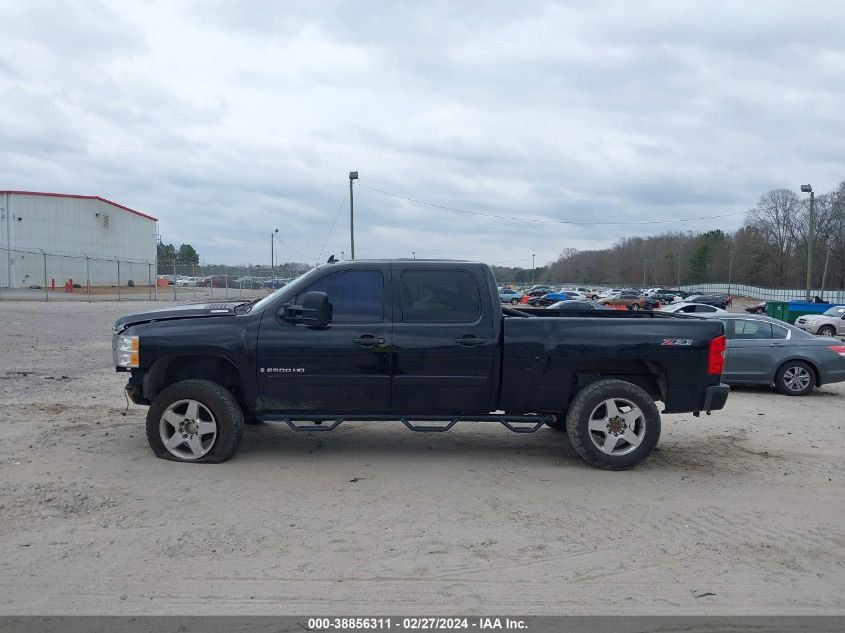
[54, 237]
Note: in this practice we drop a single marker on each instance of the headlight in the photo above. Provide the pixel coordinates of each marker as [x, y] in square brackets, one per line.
[126, 352]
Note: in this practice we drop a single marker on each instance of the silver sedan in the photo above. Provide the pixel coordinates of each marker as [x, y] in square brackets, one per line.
[762, 350]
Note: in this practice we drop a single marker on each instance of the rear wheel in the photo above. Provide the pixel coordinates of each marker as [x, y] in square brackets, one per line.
[634, 306]
[827, 330]
[613, 424]
[514, 302]
[195, 421]
[795, 378]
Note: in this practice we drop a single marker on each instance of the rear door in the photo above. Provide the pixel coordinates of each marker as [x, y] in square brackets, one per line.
[444, 345]
[344, 368]
[754, 349]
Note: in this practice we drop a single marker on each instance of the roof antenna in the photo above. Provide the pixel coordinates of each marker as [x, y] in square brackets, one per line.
[331, 260]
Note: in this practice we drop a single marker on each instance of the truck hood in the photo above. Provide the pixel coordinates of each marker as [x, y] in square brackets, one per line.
[191, 311]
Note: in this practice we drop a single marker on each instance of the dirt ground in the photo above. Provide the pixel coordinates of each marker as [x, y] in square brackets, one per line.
[738, 513]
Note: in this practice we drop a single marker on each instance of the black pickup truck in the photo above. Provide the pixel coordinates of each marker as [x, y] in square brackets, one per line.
[422, 342]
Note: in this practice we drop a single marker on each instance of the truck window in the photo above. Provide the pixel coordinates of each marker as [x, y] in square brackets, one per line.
[357, 296]
[445, 296]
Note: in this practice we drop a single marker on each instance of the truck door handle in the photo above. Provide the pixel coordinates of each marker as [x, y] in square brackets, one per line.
[468, 340]
[368, 340]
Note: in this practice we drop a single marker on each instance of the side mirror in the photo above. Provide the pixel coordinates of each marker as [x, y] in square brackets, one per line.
[315, 311]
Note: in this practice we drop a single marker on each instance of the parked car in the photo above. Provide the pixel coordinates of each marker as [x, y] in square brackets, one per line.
[574, 304]
[186, 281]
[763, 350]
[757, 308]
[632, 301]
[714, 300]
[538, 291]
[664, 296]
[169, 278]
[829, 323]
[589, 293]
[421, 342]
[275, 283]
[554, 297]
[507, 295]
[249, 282]
[217, 281]
[686, 307]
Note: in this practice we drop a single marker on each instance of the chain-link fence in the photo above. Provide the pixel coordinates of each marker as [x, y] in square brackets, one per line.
[767, 294]
[42, 276]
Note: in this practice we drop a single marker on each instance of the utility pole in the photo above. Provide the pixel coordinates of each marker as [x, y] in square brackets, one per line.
[272, 255]
[353, 175]
[532, 268]
[824, 274]
[810, 236]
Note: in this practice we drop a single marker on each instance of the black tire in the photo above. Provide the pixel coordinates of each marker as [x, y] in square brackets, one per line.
[827, 330]
[634, 306]
[214, 397]
[589, 401]
[514, 302]
[785, 384]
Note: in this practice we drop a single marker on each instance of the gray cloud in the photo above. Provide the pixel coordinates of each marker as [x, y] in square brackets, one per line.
[227, 120]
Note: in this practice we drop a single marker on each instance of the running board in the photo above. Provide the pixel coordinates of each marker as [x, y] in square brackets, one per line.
[418, 423]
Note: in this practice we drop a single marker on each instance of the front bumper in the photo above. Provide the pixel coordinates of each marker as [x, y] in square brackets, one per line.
[715, 397]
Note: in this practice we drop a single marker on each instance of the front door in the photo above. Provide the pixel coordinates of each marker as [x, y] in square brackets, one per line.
[444, 341]
[343, 368]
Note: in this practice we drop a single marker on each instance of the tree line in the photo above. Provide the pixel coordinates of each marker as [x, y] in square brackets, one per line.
[769, 250]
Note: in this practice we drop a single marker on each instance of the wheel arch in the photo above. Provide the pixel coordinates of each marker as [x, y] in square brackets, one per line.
[650, 376]
[220, 369]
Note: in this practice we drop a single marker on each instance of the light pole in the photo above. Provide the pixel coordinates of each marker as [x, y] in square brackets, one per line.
[272, 255]
[414, 253]
[353, 175]
[532, 268]
[810, 235]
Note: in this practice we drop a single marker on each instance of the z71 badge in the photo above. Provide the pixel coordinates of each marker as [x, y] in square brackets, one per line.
[681, 342]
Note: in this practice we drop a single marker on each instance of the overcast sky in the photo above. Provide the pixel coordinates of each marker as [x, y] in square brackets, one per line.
[228, 119]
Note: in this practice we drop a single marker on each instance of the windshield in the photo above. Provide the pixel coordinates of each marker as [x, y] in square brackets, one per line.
[837, 311]
[296, 283]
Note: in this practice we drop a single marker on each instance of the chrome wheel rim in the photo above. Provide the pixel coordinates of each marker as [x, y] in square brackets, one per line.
[617, 426]
[796, 378]
[188, 429]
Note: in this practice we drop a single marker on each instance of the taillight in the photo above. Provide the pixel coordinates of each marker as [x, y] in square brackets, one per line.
[837, 349]
[716, 356]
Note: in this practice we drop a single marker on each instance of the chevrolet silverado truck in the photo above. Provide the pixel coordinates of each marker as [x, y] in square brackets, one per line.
[426, 343]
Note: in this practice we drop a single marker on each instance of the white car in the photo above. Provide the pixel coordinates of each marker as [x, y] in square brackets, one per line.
[186, 281]
[686, 307]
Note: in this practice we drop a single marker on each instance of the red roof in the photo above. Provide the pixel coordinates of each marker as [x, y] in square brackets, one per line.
[72, 195]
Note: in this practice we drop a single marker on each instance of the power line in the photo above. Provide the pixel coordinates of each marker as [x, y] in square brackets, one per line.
[541, 220]
[331, 228]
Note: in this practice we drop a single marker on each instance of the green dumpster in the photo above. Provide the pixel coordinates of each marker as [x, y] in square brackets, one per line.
[776, 309]
[790, 310]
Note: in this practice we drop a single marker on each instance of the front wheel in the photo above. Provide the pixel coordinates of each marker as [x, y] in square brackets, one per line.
[795, 378]
[195, 421]
[613, 424]
[827, 330]
[634, 306]
[514, 302]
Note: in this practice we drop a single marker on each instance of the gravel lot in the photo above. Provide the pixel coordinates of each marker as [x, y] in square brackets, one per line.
[738, 513]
